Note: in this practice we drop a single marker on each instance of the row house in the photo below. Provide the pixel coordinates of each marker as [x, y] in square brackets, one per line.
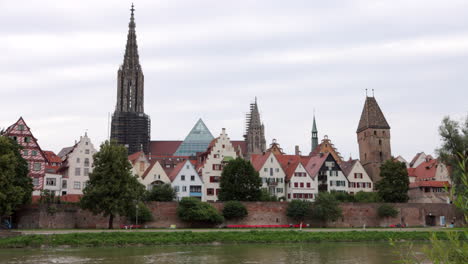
[358, 179]
[53, 179]
[155, 174]
[271, 172]
[31, 152]
[77, 164]
[211, 164]
[329, 175]
[300, 182]
[186, 181]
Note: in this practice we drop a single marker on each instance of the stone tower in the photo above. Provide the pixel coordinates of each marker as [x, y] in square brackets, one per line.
[373, 135]
[314, 136]
[255, 132]
[130, 125]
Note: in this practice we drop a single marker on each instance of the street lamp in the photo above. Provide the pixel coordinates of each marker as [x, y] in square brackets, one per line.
[136, 218]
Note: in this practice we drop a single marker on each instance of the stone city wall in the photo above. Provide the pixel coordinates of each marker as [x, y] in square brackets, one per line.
[260, 213]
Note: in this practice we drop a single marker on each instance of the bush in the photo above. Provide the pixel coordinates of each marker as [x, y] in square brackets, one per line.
[234, 210]
[144, 214]
[326, 207]
[387, 210]
[343, 197]
[193, 210]
[265, 196]
[298, 209]
[367, 197]
[161, 193]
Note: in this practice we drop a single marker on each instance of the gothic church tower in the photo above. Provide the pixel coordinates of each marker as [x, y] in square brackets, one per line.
[255, 133]
[373, 136]
[314, 136]
[130, 125]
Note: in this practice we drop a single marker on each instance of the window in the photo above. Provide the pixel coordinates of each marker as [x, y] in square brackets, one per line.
[271, 171]
[182, 177]
[77, 160]
[77, 185]
[188, 166]
[86, 143]
[50, 182]
[308, 185]
[25, 152]
[302, 185]
[20, 127]
[176, 188]
[86, 151]
[34, 153]
[86, 172]
[296, 184]
[223, 147]
[214, 178]
[192, 178]
[380, 142]
[77, 171]
[168, 165]
[375, 132]
[271, 160]
[210, 191]
[331, 183]
[27, 139]
[358, 175]
[217, 167]
[214, 156]
[84, 184]
[277, 169]
[64, 184]
[86, 164]
[217, 190]
[36, 181]
[279, 190]
[381, 156]
[265, 169]
[289, 196]
[184, 188]
[37, 166]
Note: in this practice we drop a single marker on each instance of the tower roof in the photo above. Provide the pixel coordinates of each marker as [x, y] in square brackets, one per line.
[196, 141]
[131, 58]
[314, 126]
[372, 116]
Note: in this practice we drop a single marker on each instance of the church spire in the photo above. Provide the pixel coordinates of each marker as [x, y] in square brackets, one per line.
[314, 135]
[255, 132]
[130, 79]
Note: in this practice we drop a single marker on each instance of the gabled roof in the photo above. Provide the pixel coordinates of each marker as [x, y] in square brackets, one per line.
[173, 174]
[65, 151]
[347, 166]
[196, 141]
[315, 163]
[435, 184]
[425, 170]
[51, 157]
[372, 116]
[289, 164]
[164, 147]
[132, 158]
[258, 160]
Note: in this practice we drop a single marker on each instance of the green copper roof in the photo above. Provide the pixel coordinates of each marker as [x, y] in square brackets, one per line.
[196, 141]
[314, 126]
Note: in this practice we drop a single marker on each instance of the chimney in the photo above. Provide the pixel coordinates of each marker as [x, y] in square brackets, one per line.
[296, 150]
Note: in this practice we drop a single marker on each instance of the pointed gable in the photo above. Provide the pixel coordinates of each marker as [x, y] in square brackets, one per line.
[372, 116]
[196, 141]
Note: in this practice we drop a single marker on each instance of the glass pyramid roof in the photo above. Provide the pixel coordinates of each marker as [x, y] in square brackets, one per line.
[197, 140]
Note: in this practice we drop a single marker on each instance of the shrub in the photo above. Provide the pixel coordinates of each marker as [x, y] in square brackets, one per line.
[367, 197]
[326, 207]
[161, 193]
[265, 196]
[343, 196]
[386, 210]
[298, 209]
[234, 210]
[193, 210]
[144, 214]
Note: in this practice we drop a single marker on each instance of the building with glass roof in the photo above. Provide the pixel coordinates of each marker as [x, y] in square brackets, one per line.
[197, 140]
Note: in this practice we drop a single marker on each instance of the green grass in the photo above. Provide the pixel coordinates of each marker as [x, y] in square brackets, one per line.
[187, 237]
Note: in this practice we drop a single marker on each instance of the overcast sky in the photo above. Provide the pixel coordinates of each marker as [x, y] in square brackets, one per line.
[209, 59]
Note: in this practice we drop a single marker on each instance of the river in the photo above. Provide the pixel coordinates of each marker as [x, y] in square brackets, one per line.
[323, 253]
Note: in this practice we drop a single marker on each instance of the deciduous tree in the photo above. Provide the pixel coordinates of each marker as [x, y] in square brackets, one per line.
[394, 185]
[240, 182]
[112, 189]
[161, 193]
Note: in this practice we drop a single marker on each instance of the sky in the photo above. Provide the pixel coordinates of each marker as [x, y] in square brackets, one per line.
[209, 59]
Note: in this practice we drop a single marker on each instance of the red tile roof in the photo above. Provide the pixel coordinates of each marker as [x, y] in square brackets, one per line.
[164, 147]
[176, 171]
[258, 160]
[240, 144]
[347, 166]
[436, 184]
[51, 157]
[152, 163]
[289, 164]
[132, 158]
[315, 163]
[425, 170]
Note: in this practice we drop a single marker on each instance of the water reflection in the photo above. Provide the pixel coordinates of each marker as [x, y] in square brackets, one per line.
[326, 253]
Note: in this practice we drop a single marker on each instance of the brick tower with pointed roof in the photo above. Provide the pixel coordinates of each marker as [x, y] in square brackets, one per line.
[373, 135]
[255, 132]
[130, 125]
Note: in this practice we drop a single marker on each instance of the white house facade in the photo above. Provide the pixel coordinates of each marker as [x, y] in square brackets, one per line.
[186, 181]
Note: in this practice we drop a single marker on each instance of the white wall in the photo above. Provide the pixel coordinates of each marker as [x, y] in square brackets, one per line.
[186, 179]
[364, 181]
[273, 172]
[302, 191]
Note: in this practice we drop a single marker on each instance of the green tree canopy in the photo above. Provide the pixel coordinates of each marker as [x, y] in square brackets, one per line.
[112, 189]
[299, 209]
[15, 184]
[394, 185]
[326, 207]
[141, 213]
[386, 210]
[234, 210]
[193, 210]
[240, 182]
[161, 193]
[454, 149]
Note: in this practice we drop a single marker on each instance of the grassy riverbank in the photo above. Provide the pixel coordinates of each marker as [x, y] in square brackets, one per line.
[167, 238]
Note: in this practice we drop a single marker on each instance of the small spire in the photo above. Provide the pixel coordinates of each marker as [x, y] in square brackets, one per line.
[373, 93]
[366, 92]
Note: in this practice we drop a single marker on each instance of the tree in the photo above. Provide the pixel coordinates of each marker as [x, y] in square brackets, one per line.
[15, 184]
[112, 189]
[265, 196]
[234, 210]
[367, 197]
[394, 185]
[142, 212]
[161, 193]
[298, 209]
[193, 210]
[326, 208]
[343, 197]
[386, 210]
[240, 182]
[454, 149]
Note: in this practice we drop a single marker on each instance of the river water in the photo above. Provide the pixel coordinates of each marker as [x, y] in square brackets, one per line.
[326, 253]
